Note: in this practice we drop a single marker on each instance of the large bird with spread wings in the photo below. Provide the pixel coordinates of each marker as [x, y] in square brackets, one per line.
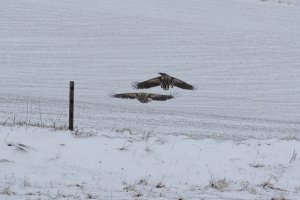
[165, 81]
[144, 97]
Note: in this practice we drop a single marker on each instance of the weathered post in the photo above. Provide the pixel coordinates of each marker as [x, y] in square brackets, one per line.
[71, 107]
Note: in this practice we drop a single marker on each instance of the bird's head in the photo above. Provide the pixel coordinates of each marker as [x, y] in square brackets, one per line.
[163, 74]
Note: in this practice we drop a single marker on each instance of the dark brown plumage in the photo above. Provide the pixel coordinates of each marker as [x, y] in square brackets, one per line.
[165, 81]
[144, 97]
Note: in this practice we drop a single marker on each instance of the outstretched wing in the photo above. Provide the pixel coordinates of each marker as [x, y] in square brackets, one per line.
[181, 84]
[126, 95]
[160, 97]
[147, 84]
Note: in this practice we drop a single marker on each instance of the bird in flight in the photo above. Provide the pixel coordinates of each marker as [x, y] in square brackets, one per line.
[144, 97]
[165, 81]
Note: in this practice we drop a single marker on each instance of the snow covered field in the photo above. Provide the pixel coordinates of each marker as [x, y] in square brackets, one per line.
[235, 137]
[42, 164]
[243, 55]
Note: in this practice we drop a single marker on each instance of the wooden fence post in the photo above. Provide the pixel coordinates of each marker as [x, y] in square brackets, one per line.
[71, 106]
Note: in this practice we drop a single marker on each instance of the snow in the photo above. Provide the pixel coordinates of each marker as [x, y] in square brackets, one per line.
[124, 166]
[235, 137]
[242, 55]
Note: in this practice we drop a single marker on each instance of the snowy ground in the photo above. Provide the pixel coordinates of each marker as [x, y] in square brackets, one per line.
[57, 165]
[243, 55]
[235, 137]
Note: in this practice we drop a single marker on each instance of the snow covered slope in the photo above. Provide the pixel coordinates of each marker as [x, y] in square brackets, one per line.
[41, 164]
[243, 55]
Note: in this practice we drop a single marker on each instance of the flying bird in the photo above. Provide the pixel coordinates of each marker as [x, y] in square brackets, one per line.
[144, 97]
[165, 81]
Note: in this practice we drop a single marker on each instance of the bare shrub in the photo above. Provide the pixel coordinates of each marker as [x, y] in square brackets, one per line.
[54, 125]
[219, 185]
[294, 155]
[297, 189]
[89, 196]
[124, 147]
[267, 185]
[20, 147]
[26, 182]
[160, 185]
[279, 198]
[123, 130]
[7, 191]
[256, 165]
[83, 134]
[6, 161]
[247, 187]
[142, 182]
